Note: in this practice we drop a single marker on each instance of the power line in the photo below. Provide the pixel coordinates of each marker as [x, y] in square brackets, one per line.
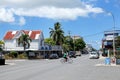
[93, 34]
[96, 33]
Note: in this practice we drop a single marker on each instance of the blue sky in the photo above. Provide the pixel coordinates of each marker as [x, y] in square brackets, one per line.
[86, 18]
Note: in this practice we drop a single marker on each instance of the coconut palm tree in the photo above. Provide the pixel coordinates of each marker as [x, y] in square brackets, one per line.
[24, 40]
[1, 44]
[1, 47]
[57, 34]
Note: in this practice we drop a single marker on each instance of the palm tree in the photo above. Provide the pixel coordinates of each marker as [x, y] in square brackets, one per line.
[1, 47]
[24, 40]
[1, 44]
[57, 34]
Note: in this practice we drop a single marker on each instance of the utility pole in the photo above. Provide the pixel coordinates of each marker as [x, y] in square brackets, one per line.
[74, 41]
[114, 50]
[69, 39]
[69, 33]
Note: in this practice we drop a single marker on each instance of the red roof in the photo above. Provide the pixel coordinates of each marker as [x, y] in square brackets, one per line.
[32, 34]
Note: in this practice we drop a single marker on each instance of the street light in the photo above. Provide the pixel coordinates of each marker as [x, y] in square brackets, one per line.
[113, 33]
[110, 13]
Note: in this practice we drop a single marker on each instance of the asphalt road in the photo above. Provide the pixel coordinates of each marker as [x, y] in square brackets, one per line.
[82, 68]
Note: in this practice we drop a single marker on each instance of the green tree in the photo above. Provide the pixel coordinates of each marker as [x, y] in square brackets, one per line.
[79, 44]
[117, 42]
[1, 45]
[1, 42]
[65, 47]
[49, 41]
[57, 34]
[24, 40]
[68, 41]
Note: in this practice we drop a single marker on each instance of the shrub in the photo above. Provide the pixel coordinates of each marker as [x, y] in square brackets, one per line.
[22, 56]
[13, 54]
[7, 56]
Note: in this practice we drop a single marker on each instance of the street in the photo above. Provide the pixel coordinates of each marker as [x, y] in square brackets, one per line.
[82, 68]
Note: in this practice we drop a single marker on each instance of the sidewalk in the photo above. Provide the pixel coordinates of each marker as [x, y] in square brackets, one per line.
[103, 63]
[110, 65]
[101, 57]
[15, 59]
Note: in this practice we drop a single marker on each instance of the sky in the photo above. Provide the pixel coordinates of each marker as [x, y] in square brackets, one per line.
[86, 18]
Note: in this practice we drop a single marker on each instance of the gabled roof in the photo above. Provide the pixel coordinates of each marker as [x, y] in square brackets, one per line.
[33, 34]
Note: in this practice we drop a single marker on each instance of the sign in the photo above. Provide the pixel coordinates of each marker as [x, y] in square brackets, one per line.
[117, 48]
[118, 61]
[31, 54]
[107, 61]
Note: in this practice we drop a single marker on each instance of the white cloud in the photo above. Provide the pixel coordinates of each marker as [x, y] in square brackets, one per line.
[22, 21]
[57, 13]
[53, 9]
[39, 3]
[6, 15]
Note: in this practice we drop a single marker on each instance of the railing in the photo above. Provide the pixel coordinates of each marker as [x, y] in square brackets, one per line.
[34, 48]
[51, 48]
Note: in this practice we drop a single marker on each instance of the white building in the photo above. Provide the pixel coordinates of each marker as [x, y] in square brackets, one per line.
[89, 47]
[76, 37]
[11, 40]
[37, 45]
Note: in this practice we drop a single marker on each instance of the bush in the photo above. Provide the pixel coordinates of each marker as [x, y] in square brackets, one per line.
[118, 56]
[13, 54]
[22, 56]
[7, 56]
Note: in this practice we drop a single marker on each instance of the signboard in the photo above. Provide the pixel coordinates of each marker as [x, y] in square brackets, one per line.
[118, 61]
[107, 61]
[31, 54]
[117, 48]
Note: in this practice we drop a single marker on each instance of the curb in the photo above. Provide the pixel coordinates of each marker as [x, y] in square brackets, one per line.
[112, 65]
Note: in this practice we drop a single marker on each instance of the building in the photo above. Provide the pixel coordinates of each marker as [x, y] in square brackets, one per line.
[76, 37]
[11, 40]
[107, 41]
[89, 47]
[37, 46]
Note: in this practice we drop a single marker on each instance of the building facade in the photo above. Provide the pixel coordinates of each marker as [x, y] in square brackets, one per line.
[107, 41]
[11, 40]
[37, 46]
[76, 37]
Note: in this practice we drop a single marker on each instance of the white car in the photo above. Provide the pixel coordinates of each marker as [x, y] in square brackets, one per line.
[94, 55]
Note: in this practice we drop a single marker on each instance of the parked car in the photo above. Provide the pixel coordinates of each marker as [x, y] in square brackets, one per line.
[72, 54]
[94, 55]
[53, 56]
[1, 56]
[78, 53]
[2, 59]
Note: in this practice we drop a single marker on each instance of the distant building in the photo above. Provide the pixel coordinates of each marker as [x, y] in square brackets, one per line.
[89, 47]
[107, 41]
[76, 37]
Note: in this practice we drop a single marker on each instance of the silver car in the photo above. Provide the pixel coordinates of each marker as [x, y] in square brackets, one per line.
[94, 55]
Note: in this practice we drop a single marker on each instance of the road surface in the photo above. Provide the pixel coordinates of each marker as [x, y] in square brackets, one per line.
[82, 68]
